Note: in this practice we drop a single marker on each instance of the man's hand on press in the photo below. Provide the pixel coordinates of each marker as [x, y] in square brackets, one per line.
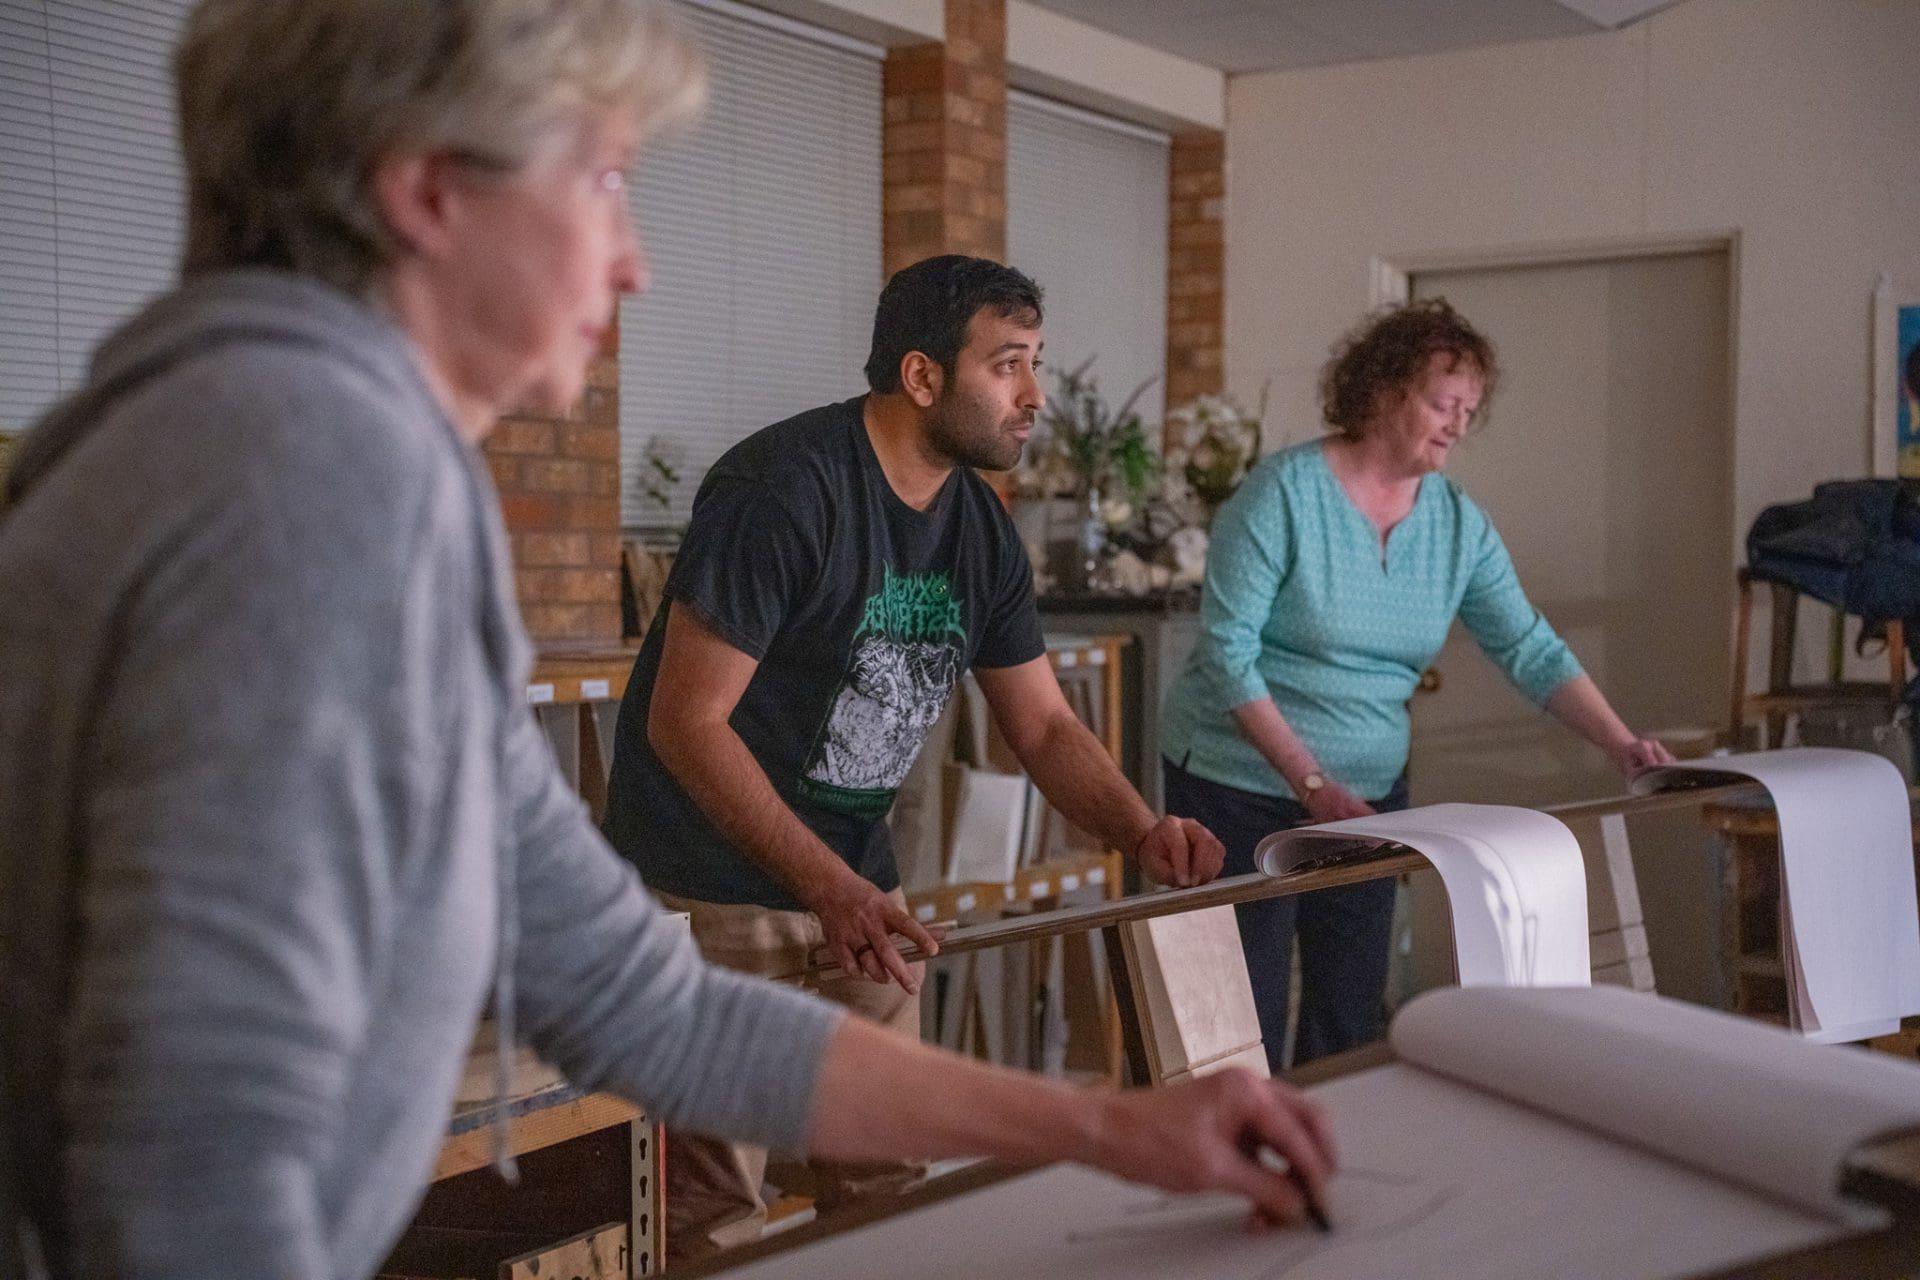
[859, 922]
[1179, 852]
[1206, 1135]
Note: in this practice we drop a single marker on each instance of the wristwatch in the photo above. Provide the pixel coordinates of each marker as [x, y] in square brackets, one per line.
[1312, 783]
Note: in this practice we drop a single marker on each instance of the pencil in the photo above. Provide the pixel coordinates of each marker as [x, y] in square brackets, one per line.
[1256, 1150]
[1316, 1214]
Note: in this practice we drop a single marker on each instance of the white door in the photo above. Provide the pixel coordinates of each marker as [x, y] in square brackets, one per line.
[1606, 465]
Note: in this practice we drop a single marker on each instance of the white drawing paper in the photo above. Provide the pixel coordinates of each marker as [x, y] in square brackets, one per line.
[1516, 885]
[1691, 1141]
[1850, 928]
[1745, 1101]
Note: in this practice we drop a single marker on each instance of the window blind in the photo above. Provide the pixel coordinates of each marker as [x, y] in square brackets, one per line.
[762, 229]
[91, 205]
[1087, 218]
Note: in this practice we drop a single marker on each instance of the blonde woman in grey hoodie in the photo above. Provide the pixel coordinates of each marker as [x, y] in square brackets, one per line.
[275, 821]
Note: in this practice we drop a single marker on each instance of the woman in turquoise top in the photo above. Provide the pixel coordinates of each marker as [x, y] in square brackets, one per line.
[1334, 574]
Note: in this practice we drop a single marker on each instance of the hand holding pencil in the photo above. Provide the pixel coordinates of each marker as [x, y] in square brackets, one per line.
[1231, 1131]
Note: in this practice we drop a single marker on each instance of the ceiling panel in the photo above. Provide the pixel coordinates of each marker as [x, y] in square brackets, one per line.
[1264, 35]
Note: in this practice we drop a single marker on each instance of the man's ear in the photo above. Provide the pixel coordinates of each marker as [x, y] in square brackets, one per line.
[413, 194]
[921, 378]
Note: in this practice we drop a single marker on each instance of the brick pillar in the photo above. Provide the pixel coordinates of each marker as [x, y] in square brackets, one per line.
[944, 136]
[1196, 264]
[559, 482]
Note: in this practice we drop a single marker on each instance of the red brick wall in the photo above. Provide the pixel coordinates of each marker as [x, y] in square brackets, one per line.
[944, 131]
[559, 482]
[1196, 264]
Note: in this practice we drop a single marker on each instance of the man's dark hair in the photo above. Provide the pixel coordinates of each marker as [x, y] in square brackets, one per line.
[926, 308]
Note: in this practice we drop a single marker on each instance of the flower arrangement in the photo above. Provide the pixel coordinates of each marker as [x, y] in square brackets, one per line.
[1143, 513]
[1211, 443]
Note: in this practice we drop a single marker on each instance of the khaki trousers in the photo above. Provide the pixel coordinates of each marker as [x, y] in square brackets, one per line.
[713, 1187]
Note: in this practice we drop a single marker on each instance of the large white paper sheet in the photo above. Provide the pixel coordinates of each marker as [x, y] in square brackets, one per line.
[1516, 887]
[1440, 1182]
[1850, 925]
[1748, 1102]
[1573, 1133]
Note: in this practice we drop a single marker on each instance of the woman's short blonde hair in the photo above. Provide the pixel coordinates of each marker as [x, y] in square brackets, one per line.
[286, 106]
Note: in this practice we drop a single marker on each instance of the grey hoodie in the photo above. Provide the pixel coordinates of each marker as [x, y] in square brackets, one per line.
[272, 807]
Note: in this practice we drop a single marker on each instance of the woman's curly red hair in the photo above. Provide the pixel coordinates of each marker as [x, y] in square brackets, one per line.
[1386, 354]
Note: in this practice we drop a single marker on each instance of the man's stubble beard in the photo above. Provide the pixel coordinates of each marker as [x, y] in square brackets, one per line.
[967, 436]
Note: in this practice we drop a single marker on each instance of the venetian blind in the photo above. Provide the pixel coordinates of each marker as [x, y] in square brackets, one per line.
[762, 229]
[1087, 218]
[91, 206]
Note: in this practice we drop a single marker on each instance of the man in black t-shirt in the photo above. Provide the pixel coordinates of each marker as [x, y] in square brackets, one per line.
[843, 568]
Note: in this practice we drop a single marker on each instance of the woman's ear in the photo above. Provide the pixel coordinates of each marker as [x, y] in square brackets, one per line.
[413, 193]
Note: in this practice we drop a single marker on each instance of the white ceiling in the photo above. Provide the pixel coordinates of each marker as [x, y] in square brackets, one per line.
[1267, 35]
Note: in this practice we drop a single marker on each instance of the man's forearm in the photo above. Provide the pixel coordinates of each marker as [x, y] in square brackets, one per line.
[714, 766]
[1077, 776]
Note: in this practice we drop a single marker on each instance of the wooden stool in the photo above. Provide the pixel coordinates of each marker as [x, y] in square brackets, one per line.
[1751, 961]
[1782, 697]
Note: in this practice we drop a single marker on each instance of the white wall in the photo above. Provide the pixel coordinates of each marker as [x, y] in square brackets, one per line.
[1796, 124]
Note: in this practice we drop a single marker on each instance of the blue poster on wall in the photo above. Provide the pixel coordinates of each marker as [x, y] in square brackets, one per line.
[1907, 403]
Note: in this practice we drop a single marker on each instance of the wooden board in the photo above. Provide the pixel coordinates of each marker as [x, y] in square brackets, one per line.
[600, 1254]
[479, 1077]
[1191, 991]
[473, 1149]
[1252, 1058]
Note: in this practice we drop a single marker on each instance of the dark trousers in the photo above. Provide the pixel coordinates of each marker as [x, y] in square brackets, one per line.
[1344, 933]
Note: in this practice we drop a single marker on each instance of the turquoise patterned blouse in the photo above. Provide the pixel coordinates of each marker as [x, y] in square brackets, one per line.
[1300, 604]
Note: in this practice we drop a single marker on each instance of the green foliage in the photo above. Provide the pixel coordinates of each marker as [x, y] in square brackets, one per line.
[1105, 448]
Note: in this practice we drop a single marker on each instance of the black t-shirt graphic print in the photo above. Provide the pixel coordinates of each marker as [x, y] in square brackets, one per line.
[862, 613]
[906, 659]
